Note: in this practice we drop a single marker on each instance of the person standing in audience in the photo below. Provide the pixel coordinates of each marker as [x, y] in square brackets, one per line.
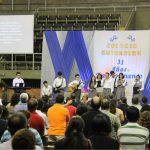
[116, 111]
[121, 83]
[59, 84]
[115, 122]
[99, 80]
[72, 109]
[145, 122]
[136, 103]
[58, 118]
[92, 87]
[100, 139]
[23, 139]
[22, 105]
[137, 87]
[132, 135]
[74, 137]
[76, 87]
[107, 85]
[35, 120]
[88, 116]
[47, 89]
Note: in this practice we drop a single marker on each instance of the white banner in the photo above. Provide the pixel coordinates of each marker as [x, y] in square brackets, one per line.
[122, 51]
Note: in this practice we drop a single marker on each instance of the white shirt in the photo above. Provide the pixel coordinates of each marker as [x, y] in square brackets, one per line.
[47, 90]
[16, 82]
[107, 83]
[59, 82]
[77, 82]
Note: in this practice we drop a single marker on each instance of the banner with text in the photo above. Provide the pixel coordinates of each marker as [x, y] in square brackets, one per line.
[122, 51]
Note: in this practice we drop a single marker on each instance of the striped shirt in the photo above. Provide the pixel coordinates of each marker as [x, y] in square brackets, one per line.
[133, 136]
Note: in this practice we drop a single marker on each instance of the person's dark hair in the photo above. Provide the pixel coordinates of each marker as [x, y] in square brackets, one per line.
[110, 96]
[45, 82]
[107, 73]
[112, 106]
[26, 113]
[95, 104]
[45, 98]
[73, 96]
[23, 139]
[122, 75]
[132, 114]
[81, 109]
[144, 100]
[135, 100]
[16, 121]
[124, 100]
[105, 104]
[14, 99]
[138, 76]
[40, 104]
[145, 107]
[77, 75]
[59, 73]
[18, 73]
[91, 81]
[68, 98]
[75, 138]
[99, 75]
[101, 124]
[59, 98]
[112, 72]
[32, 104]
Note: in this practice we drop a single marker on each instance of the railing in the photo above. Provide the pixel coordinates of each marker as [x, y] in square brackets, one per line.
[20, 65]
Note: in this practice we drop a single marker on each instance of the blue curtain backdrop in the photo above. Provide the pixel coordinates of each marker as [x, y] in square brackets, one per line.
[74, 48]
[146, 91]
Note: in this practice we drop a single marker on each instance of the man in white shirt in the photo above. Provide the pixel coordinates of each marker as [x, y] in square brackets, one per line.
[17, 83]
[47, 89]
[59, 84]
[76, 87]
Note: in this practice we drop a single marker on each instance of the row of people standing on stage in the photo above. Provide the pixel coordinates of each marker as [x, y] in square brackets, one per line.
[110, 84]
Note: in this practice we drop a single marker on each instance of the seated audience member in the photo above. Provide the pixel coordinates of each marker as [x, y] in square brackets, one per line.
[22, 105]
[74, 137]
[40, 113]
[100, 139]
[116, 111]
[144, 100]
[35, 120]
[23, 139]
[5, 113]
[71, 108]
[136, 103]
[4, 95]
[15, 122]
[145, 122]
[74, 101]
[132, 135]
[58, 118]
[13, 102]
[145, 107]
[47, 89]
[84, 99]
[115, 122]
[88, 116]
[3, 123]
[7, 136]
[81, 109]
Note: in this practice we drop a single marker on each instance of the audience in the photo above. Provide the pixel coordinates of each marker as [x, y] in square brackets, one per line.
[81, 109]
[74, 137]
[101, 139]
[132, 135]
[22, 105]
[35, 121]
[115, 122]
[116, 111]
[88, 116]
[23, 139]
[144, 100]
[136, 103]
[58, 118]
[72, 109]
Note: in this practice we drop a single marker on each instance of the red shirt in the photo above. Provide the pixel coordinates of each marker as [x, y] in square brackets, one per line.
[36, 122]
[72, 110]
